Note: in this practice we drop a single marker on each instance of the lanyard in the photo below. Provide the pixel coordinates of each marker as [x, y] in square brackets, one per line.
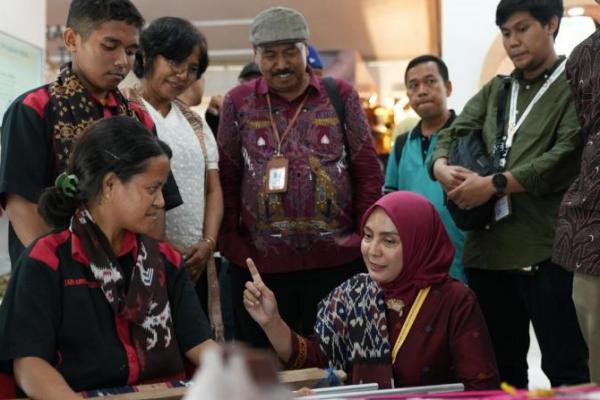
[513, 123]
[281, 138]
[410, 319]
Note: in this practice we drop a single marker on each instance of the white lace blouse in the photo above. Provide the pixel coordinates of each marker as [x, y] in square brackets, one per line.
[185, 223]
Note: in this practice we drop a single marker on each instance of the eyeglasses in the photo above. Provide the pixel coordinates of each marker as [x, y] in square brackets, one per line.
[179, 67]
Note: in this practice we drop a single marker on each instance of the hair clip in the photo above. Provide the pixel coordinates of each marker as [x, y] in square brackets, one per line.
[67, 183]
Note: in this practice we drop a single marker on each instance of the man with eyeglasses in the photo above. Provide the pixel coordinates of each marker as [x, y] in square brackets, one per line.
[296, 179]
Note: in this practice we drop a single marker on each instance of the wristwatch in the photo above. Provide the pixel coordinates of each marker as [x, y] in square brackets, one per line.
[499, 181]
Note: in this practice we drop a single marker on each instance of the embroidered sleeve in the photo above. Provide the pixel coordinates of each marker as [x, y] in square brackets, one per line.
[299, 352]
[367, 179]
[231, 244]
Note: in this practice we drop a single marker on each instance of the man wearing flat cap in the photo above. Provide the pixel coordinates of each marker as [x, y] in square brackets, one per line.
[296, 180]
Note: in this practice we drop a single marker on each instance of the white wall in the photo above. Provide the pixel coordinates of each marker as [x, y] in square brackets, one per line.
[25, 19]
[468, 31]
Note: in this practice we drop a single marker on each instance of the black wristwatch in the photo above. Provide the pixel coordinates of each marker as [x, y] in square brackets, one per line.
[499, 181]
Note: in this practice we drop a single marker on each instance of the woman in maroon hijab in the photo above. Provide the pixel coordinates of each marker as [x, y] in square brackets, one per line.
[405, 323]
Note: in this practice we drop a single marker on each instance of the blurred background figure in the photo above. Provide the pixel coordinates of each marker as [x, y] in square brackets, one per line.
[249, 73]
[314, 60]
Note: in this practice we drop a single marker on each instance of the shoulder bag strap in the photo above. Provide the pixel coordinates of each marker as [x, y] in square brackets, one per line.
[501, 96]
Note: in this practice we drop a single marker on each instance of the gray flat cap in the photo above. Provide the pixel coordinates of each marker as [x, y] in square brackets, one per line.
[278, 25]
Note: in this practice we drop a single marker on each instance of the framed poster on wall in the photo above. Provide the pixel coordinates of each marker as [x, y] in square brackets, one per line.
[21, 69]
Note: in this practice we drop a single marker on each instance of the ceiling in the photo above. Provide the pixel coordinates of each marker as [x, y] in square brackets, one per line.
[377, 29]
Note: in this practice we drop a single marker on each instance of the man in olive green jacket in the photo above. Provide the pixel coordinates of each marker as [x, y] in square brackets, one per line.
[508, 262]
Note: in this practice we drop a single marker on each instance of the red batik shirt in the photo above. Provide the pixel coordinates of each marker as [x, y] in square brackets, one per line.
[334, 176]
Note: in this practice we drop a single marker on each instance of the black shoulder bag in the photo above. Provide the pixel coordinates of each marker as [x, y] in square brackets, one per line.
[470, 151]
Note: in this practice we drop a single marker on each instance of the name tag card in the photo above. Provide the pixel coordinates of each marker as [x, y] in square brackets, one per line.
[503, 208]
[277, 175]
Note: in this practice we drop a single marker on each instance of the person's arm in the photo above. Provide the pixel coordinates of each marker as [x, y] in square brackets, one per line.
[577, 66]
[472, 117]
[476, 190]
[200, 253]
[26, 165]
[214, 205]
[195, 353]
[365, 169]
[449, 176]
[470, 344]
[25, 219]
[30, 317]
[231, 170]
[191, 326]
[554, 170]
[550, 172]
[39, 380]
[261, 304]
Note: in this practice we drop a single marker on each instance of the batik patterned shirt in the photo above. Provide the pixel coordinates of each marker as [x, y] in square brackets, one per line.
[333, 177]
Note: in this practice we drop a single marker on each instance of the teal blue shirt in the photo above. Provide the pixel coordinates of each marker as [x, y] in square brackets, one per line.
[411, 174]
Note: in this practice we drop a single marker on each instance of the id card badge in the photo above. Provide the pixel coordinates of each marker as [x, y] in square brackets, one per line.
[502, 208]
[277, 175]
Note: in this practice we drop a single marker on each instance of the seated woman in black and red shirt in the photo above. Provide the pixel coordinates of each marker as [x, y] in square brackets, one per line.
[99, 303]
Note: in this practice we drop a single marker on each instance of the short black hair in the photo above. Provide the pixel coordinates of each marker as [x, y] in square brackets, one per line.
[174, 39]
[118, 144]
[441, 65]
[85, 15]
[542, 10]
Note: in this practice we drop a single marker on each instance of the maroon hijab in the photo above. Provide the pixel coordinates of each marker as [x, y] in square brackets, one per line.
[427, 251]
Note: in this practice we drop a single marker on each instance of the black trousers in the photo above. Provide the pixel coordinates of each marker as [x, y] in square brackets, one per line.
[510, 300]
[297, 294]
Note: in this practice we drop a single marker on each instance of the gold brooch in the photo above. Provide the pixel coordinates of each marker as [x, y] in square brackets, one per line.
[396, 305]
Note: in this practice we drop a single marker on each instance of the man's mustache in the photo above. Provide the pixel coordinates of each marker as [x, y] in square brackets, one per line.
[282, 72]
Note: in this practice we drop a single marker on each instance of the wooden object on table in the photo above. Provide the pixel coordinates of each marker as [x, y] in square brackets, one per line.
[298, 378]
[294, 379]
